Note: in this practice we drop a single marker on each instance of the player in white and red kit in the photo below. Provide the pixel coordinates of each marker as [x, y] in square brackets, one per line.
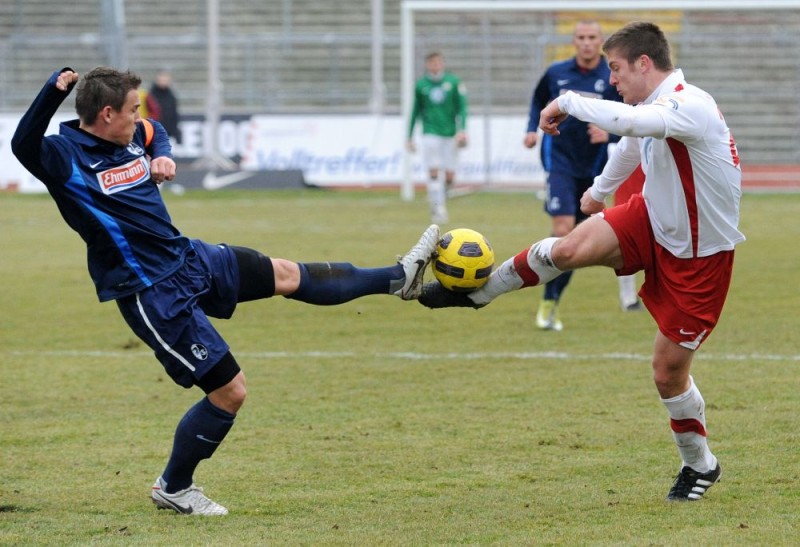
[681, 230]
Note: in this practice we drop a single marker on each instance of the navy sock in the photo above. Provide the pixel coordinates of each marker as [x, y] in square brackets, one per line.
[330, 283]
[199, 433]
[554, 288]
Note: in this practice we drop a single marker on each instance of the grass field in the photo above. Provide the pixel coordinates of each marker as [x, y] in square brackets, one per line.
[381, 422]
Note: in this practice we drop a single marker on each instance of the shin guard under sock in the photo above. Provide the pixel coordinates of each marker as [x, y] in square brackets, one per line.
[688, 424]
[531, 267]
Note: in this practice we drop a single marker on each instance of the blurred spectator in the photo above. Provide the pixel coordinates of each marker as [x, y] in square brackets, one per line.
[162, 104]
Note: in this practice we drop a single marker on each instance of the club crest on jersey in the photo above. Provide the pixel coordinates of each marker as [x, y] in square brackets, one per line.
[600, 86]
[437, 94]
[669, 102]
[134, 148]
[125, 176]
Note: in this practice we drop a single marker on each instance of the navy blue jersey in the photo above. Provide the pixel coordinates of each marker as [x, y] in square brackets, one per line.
[105, 193]
[571, 152]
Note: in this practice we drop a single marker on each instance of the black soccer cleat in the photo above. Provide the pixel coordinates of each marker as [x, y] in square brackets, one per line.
[690, 485]
[435, 296]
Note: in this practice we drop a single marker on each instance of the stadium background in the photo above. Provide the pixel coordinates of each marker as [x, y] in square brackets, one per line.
[391, 424]
[289, 64]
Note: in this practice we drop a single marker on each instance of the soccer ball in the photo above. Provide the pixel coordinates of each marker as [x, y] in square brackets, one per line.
[464, 260]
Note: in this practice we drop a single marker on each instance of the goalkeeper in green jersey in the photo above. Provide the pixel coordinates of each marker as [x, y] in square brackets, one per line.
[440, 100]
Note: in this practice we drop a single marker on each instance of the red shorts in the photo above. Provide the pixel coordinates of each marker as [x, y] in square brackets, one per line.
[684, 295]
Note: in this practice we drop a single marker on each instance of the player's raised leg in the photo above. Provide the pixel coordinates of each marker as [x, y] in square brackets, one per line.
[331, 283]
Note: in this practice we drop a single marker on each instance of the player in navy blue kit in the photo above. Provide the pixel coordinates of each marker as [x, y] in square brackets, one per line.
[575, 157]
[103, 172]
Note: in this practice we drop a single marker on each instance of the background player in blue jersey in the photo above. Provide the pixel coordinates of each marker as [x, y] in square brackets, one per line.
[573, 158]
[103, 171]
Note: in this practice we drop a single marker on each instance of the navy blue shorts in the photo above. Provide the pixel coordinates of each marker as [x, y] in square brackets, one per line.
[564, 194]
[171, 316]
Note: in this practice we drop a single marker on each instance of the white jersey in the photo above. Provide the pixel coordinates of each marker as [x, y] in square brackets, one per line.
[692, 176]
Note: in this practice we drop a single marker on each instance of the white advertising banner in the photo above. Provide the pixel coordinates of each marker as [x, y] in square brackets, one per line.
[366, 150]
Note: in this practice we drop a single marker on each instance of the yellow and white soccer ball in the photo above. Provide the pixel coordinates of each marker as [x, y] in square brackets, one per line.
[464, 260]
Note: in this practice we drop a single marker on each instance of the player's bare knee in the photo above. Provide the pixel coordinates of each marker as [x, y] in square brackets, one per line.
[670, 380]
[662, 382]
[287, 276]
[224, 384]
[238, 394]
[231, 396]
[563, 253]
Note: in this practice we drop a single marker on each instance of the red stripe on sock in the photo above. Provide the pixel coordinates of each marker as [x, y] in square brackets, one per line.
[529, 277]
[687, 426]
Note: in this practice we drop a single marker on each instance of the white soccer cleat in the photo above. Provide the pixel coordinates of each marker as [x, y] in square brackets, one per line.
[415, 262]
[190, 501]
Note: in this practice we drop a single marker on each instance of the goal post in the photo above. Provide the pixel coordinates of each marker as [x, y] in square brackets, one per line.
[410, 9]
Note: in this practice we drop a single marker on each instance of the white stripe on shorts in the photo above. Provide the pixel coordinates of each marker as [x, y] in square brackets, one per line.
[160, 340]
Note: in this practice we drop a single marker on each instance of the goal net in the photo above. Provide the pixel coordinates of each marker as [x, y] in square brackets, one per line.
[742, 52]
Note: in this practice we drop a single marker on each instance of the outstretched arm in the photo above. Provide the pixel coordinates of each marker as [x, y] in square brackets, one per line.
[613, 117]
[551, 117]
[28, 144]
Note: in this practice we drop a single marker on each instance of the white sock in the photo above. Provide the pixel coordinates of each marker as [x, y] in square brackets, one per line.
[540, 260]
[688, 423]
[436, 194]
[627, 290]
[504, 279]
[527, 269]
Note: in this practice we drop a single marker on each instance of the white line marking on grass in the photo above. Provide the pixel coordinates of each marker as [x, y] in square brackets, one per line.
[417, 356]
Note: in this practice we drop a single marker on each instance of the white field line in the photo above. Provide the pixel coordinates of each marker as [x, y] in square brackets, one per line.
[417, 356]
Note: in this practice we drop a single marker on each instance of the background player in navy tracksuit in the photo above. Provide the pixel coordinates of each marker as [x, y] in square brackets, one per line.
[102, 170]
[573, 158]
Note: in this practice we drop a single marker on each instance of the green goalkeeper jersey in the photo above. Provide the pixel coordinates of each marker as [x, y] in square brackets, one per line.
[442, 105]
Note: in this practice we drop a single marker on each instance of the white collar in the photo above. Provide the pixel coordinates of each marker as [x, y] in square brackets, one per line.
[667, 86]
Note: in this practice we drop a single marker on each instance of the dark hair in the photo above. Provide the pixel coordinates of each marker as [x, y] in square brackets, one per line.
[641, 38]
[103, 87]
